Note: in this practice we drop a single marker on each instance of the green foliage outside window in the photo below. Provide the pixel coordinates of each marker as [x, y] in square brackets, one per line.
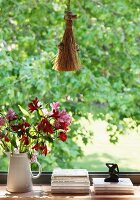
[108, 84]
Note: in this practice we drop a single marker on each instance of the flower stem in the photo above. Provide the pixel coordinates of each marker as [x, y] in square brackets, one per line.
[20, 147]
[5, 146]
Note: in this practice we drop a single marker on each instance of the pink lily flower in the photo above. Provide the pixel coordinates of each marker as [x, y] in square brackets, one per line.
[55, 106]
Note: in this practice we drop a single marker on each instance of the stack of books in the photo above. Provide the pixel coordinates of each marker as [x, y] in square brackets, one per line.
[70, 181]
[124, 186]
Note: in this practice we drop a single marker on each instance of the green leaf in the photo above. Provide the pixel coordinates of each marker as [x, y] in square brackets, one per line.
[13, 142]
[24, 111]
[40, 112]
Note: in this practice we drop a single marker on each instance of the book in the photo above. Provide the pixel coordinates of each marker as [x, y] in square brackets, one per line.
[70, 191]
[115, 192]
[69, 187]
[124, 186]
[123, 182]
[70, 172]
[69, 178]
[70, 181]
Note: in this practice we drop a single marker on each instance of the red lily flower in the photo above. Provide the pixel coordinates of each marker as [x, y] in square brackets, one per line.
[45, 126]
[55, 114]
[15, 127]
[25, 139]
[61, 125]
[36, 147]
[44, 149]
[6, 139]
[24, 126]
[34, 105]
[62, 136]
[20, 127]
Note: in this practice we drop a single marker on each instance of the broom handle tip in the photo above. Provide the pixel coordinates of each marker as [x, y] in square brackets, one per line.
[68, 6]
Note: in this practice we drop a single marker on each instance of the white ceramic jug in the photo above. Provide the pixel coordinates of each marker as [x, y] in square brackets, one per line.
[19, 178]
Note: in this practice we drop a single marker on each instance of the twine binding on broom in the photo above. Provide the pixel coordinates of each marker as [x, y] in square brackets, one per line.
[67, 58]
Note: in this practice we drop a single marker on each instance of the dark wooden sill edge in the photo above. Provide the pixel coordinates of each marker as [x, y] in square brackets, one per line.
[45, 177]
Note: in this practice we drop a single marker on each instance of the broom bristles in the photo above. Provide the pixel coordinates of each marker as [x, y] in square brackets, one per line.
[67, 58]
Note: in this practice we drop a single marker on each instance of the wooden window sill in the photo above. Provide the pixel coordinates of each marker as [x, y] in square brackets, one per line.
[44, 192]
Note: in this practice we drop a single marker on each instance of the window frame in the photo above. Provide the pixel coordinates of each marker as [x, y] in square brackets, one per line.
[45, 177]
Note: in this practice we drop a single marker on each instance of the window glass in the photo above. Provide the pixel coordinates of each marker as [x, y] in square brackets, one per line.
[107, 87]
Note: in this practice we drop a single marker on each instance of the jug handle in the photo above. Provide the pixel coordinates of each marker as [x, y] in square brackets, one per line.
[39, 170]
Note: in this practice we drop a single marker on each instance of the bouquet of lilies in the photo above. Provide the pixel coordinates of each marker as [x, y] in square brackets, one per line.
[34, 129]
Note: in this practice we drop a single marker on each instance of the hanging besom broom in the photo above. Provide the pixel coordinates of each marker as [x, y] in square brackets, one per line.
[67, 58]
